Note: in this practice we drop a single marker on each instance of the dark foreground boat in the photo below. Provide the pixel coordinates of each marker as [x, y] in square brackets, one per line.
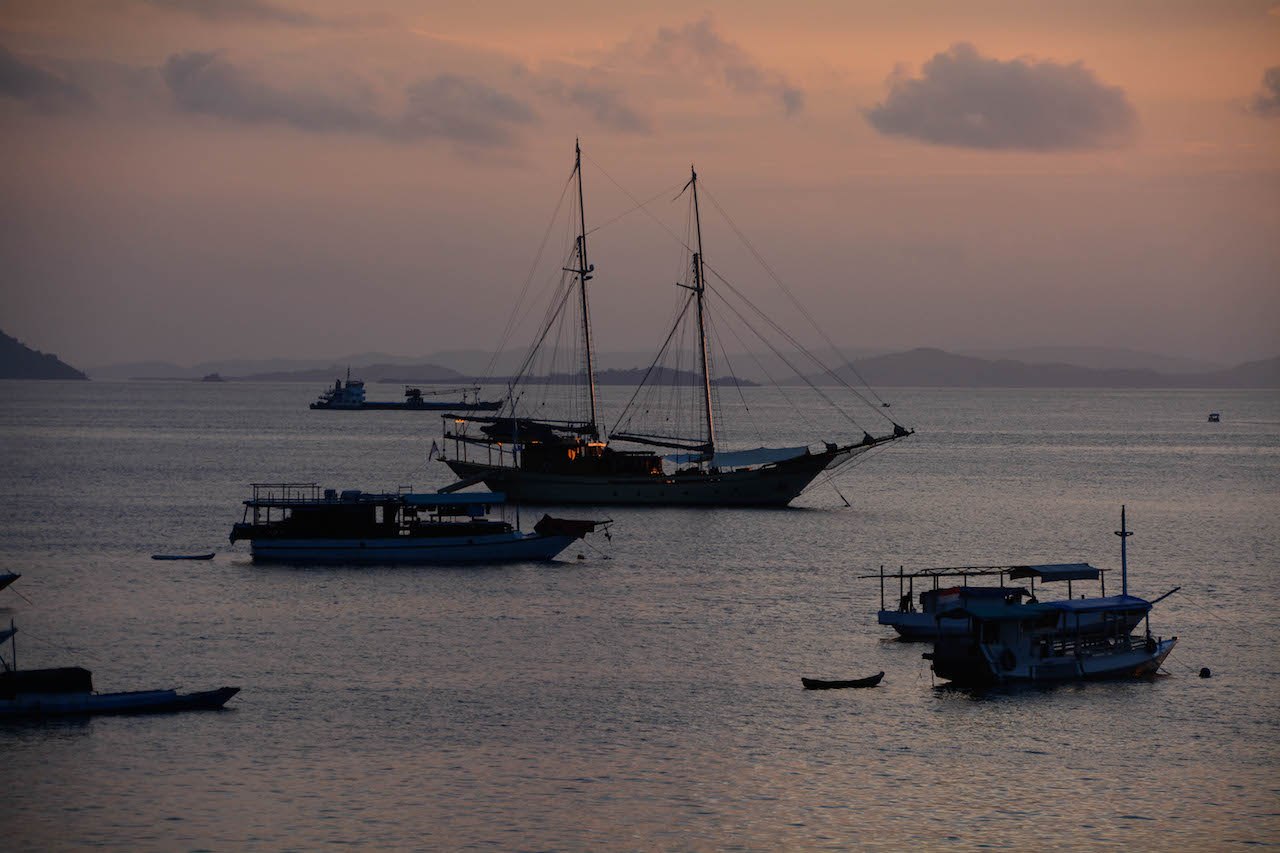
[546, 449]
[68, 691]
[819, 684]
[7, 578]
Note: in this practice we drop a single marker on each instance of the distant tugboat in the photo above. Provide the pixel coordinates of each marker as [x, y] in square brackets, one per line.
[212, 377]
[350, 397]
[1215, 417]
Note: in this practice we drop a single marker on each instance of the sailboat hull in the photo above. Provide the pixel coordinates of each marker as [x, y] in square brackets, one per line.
[769, 485]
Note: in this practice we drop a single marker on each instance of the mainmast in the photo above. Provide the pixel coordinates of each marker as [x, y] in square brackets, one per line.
[584, 275]
[699, 286]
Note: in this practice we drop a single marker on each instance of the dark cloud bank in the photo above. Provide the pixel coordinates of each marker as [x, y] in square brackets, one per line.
[1267, 102]
[966, 100]
[248, 11]
[446, 106]
[38, 88]
[697, 46]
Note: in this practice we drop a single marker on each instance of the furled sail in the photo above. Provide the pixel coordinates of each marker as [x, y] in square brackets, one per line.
[740, 458]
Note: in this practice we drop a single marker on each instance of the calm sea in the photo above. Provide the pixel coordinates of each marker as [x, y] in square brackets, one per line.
[646, 696]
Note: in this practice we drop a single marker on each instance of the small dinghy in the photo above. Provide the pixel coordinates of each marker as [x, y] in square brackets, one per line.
[208, 556]
[819, 684]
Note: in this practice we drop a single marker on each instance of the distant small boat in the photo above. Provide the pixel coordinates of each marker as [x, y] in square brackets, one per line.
[819, 684]
[208, 556]
[212, 377]
[1215, 417]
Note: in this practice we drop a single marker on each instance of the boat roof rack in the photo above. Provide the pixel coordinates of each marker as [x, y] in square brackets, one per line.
[1045, 571]
[455, 499]
[1057, 572]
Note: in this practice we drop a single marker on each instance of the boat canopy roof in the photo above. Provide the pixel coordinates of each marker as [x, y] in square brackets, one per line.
[1093, 605]
[6, 633]
[1000, 611]
[996, 592]
[1047, 572]
[741, 458]
[434, 499]
[1057, 572]
[997, 610]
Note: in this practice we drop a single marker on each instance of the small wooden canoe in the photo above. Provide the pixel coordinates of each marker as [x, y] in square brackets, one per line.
[182, 556]
[818, 684]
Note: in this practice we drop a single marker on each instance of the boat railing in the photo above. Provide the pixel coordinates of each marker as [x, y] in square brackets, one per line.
[1075, 646]
[279, 494]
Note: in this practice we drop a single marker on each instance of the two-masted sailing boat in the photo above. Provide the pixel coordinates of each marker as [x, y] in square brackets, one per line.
[538, 460]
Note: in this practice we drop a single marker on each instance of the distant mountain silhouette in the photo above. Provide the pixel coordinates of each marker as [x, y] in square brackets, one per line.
[1098, 358]
[389, 373]
[18, 361]
[1251, 374]
[928, 367]
[921, 367]
[632, 376]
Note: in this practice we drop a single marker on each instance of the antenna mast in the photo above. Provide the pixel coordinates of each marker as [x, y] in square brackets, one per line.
[584, 275]
[1124, 533]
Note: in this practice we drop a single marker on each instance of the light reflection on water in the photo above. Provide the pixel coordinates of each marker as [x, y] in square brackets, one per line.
[651, 699]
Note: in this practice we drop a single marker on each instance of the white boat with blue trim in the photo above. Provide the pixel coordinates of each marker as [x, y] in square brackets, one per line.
[301, 522]
[1080, 639]
[918, 617]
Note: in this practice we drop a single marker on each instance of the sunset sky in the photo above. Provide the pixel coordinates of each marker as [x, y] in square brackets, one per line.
[199, 179]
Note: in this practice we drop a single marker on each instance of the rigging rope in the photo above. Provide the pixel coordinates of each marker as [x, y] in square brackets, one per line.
[513, 317]
[791, 339]
[798, 346]
[789, 294]
[777, 352]
[653, 364]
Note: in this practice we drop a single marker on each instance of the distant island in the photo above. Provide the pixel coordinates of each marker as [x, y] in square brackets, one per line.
[18, 361]
[928, 367]
[632, 377]
[923, 367]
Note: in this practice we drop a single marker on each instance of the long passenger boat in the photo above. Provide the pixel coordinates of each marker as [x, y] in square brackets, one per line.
[301, 522]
